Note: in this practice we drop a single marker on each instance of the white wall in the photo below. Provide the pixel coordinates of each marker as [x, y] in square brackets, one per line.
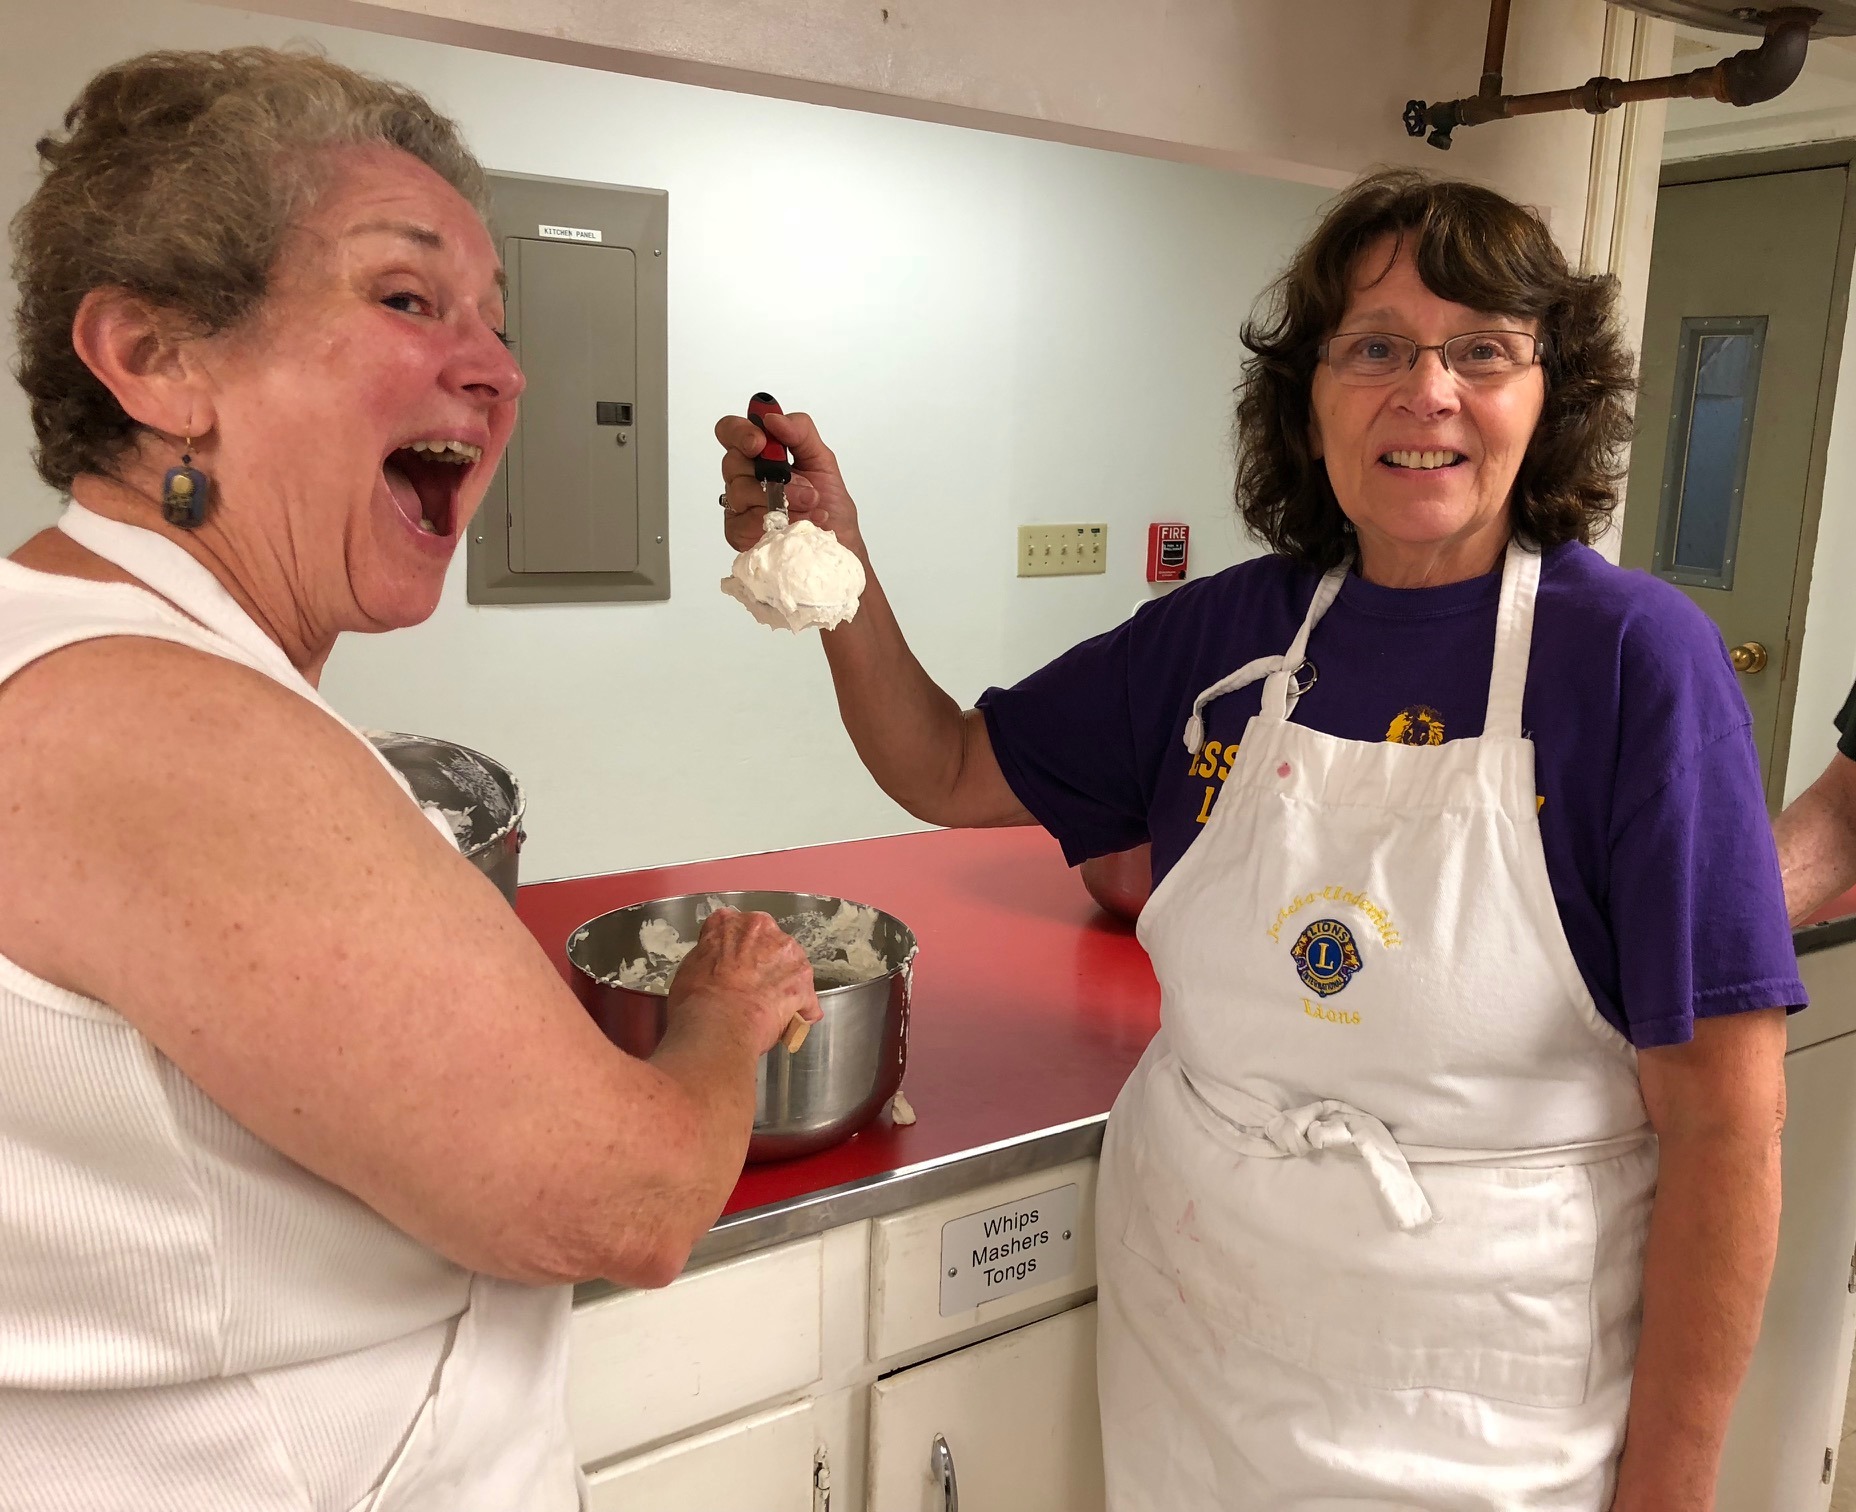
[990, 329]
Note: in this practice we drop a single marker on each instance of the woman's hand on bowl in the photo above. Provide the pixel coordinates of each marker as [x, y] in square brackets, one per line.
[747, 963]
[817, 492]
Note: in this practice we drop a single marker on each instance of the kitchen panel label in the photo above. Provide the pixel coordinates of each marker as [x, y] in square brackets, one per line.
[572, 233]
[1008, 1249]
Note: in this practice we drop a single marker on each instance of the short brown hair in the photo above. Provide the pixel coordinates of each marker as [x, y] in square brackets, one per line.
[1472, 247]
[177, 177]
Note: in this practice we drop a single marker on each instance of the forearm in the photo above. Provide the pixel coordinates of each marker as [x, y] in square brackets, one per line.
[703, 1118]
[908, 732]
[1706, 1269]
[614, 1172]
[1817, 851]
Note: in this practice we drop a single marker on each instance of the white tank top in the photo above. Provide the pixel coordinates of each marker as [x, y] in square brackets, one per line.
[188, 1319]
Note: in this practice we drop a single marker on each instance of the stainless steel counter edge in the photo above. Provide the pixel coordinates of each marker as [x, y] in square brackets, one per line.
[1823, 936]
[879, 1196]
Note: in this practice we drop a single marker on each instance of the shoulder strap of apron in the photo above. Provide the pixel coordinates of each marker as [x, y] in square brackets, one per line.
[169, 571]
[1514, 639]
[185, 583]
[1279, 693]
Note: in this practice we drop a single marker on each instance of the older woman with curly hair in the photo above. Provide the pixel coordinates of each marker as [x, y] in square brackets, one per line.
[300, 1132]
[1452, 1177]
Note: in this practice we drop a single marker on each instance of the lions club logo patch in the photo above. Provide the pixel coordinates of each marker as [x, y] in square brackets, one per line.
[1325, 956]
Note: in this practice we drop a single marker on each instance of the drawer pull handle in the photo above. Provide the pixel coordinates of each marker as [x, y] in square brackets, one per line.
[941, 1463]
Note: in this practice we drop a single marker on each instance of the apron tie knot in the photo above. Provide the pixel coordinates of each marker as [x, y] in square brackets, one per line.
[1330, 1125]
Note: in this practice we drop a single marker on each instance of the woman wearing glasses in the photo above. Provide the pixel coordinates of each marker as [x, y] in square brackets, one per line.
[1466, 911]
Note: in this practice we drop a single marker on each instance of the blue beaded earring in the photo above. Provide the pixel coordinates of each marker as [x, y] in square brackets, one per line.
[184, 492]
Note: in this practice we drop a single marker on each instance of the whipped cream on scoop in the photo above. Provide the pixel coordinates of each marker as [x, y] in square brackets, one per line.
[797, 576]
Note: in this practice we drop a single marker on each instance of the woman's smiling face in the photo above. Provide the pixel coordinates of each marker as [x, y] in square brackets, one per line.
[360, 415]
[1423, 466]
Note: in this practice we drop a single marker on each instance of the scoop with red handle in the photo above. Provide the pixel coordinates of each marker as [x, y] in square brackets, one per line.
[774, 466]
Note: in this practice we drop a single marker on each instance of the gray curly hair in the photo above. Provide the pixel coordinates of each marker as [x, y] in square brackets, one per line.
[177, 177]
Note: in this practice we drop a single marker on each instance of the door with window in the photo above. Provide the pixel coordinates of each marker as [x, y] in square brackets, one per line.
[1732, 412]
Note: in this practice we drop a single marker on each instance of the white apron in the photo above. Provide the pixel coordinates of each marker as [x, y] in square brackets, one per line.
[493, 1435]
[1373, 1204]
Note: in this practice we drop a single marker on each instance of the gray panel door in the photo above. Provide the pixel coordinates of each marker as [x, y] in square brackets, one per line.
[573, 483]
[1742, 279]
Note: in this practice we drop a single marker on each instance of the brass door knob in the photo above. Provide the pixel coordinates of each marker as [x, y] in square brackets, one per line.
[1749, 658]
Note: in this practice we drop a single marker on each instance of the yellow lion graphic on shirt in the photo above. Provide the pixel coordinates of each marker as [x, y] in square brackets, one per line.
[1418, 726]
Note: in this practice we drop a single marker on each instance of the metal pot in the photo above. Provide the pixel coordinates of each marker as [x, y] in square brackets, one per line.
[836, 1082]
[480, 797]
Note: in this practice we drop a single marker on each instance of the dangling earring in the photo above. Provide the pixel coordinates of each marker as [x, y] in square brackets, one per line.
[184, 492]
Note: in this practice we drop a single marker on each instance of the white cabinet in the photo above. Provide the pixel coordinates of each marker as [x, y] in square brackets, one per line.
[761, 1464]
[644, 1365]
[1791, 1409]
[906, 1255]
[715, 1394]
[1018, 1416]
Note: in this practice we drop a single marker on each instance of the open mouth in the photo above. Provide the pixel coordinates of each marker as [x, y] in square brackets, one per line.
[1422, 461]
[425, 478]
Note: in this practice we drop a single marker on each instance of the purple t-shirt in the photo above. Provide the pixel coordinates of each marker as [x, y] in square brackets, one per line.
[1658, 847]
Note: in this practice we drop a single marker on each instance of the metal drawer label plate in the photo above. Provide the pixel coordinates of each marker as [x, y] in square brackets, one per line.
[985, 1256]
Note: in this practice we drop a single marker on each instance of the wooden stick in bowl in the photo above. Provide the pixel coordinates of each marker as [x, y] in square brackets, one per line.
[796, 1033]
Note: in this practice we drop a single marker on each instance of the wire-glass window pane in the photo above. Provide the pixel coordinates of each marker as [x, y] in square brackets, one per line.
[1710, 434]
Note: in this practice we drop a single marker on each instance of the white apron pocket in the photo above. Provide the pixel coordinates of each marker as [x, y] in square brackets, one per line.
[1295, 1256]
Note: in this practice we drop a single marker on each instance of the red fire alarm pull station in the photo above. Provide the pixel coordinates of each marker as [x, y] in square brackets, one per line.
[1166, 552]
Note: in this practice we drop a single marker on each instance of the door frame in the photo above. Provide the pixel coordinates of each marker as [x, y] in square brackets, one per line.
[1795, 159]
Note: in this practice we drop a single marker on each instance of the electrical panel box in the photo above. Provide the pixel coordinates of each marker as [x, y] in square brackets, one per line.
[579, 510]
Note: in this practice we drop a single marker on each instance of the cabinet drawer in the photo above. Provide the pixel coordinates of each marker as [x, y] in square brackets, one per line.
[760, 1464]
[906, 1268]
[649, 1364]
[1018, 1414]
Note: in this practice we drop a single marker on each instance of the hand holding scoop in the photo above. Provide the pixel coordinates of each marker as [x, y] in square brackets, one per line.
[796, 577]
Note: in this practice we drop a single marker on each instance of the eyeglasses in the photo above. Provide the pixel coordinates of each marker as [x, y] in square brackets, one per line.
[1369, 357]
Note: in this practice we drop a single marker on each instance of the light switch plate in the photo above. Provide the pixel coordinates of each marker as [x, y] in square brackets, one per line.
[1060, 550]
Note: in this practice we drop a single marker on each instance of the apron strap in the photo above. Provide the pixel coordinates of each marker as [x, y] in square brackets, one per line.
[171, 573]
[1514, 638]
[1280, 691]
[176, 576]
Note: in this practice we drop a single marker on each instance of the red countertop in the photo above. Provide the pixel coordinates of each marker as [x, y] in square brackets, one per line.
[1031, 1004]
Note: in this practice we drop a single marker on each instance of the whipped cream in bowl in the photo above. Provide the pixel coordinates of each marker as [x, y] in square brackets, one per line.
[850, 1065]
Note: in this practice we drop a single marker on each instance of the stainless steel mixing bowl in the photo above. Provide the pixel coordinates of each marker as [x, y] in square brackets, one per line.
[836, 1082]
[483, 795]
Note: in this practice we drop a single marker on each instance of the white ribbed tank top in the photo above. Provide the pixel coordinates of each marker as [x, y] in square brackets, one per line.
[188, 1320]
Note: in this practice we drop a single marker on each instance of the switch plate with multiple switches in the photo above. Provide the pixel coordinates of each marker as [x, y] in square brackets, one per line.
[1059, 550]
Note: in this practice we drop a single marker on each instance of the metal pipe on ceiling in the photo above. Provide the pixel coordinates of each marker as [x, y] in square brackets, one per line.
[1747, 77]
